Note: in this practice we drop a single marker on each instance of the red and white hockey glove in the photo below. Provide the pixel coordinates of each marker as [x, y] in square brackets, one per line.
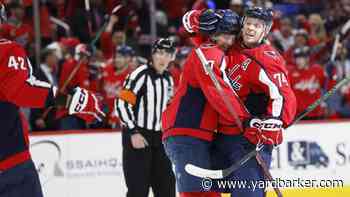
[190, 21]
[85, 105]
[200, 24]
[264, 131]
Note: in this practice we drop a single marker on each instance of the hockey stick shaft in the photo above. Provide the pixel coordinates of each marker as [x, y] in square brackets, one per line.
[63, 88]
[320, 100]
[212, 76]
[76, 68]
[335, 47]
[101, 30]
[299, 117]
[268, 174]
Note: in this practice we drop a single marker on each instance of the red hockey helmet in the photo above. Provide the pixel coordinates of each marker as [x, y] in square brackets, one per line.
[82, 50]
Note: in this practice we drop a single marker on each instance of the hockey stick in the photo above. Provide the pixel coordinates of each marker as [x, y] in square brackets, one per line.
[218, 174]
[191, 168]
[320, 100]
[76, 68]
[100, 31]
[63, 88]
[217, 85]
[343, 31]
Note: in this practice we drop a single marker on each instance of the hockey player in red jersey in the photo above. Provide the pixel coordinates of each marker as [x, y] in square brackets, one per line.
[191, 119]
[19, 88]
[256, 71]
[307, 82]
[114, 74]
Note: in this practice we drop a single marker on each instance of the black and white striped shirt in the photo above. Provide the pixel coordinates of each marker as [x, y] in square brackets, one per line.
[144, 97]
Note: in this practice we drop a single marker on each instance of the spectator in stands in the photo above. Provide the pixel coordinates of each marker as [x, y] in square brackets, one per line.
[317, 29]
[283, 37]
[74, 72]
[15, 28]
[64, 48]
[114, 74]
[237, 6]
[83, 23]
[338, 70]
[308, 82]
[111, 38]
[176, 66]
[300, 40]
[45, 72]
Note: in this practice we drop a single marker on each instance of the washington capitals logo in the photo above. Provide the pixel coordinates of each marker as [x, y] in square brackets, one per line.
[271, 54]
[311, 85]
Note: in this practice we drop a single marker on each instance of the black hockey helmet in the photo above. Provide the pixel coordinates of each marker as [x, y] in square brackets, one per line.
[265, 14]
[164, 43]
[229, 22]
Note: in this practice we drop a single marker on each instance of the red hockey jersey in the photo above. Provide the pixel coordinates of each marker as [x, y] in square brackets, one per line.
[18, 88]
[264, 87]
[197, 104]
[81, 79]
[307, 85]
[112, 83]
[22, 34]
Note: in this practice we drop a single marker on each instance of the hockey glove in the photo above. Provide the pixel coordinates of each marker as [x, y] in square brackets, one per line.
[205, 22]
[84, 104]
[208, 22]
[264, 131]
[190, 21]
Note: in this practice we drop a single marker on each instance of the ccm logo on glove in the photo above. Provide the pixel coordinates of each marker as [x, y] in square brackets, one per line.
[81, 102]
[268, 124]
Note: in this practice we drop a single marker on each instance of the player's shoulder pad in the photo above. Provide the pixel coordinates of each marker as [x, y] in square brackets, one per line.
[211, 50]
[4, 41]
[207, 45]
[269, 52]
[10, 44]
[270, 57]
[8, 47]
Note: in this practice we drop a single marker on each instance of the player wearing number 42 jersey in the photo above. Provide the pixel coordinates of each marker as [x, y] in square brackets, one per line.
[19, 88]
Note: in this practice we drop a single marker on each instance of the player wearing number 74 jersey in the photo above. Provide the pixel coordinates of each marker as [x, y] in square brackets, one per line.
[257, 73]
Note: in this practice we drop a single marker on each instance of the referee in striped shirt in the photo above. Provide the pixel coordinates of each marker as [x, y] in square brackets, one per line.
[140, 104]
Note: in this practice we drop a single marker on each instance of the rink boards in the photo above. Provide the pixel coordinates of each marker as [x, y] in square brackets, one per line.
[77, 163]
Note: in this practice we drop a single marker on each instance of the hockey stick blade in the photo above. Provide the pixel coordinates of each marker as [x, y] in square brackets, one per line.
[203, 173]
[218, 174]
[206, 173]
